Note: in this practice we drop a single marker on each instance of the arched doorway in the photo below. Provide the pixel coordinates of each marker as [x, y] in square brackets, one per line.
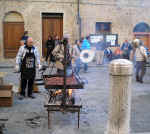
[142, 31]
[13, 29]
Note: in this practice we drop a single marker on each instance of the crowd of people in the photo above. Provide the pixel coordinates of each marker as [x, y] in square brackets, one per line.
[28, 56]
[134, 51]
[55, 53]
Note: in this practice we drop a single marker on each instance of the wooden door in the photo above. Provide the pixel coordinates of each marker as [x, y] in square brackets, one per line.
[51, 26]
[145, 38]
[13, 32]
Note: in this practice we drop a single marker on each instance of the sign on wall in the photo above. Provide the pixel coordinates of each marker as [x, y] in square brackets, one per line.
[109, 39]
[112, 39]
[96, 39]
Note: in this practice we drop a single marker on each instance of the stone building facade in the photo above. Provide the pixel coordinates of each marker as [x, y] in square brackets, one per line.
[124, 15]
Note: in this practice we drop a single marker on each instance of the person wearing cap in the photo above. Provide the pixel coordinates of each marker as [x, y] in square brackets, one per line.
[141, 56]
[26, 59]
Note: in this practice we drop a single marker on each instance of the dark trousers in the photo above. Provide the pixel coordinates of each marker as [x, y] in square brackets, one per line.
[49, 51]
[140, 69]
[85, 66]
[24, 83]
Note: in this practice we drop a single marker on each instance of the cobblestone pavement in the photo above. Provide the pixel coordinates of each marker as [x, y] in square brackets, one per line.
[94, 98]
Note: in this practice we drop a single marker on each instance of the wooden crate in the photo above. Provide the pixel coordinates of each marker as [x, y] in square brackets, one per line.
[6, 96]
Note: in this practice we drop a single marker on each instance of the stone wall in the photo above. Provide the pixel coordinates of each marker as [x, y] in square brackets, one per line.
[124, 15]
[31, 12]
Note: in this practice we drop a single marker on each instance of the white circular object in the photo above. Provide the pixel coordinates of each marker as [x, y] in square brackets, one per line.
[87, 56]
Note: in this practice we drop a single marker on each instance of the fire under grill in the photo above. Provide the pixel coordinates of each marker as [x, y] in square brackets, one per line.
[61, 100]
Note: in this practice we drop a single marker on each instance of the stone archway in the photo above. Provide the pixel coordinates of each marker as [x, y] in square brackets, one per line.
[142, 31]
[13, 29]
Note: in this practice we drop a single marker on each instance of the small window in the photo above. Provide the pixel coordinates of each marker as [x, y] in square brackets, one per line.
[103, 27]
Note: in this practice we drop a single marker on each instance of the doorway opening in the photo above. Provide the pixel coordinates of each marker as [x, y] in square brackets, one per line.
[52, 25]
[142, 31]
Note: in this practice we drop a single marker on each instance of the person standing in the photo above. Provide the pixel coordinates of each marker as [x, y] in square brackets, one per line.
[117, 53]
[24, 38]
[58, 53]
[141, 56]
[100, 47]
[126, 49]
[26, 62]
[85, 46]
[50, 45]
[76, 56]
[57, 41]
[108, 53]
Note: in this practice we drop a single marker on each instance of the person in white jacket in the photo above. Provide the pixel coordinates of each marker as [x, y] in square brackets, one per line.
[26, 59]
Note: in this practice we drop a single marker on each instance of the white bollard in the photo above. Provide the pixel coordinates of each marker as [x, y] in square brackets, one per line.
[120, 97]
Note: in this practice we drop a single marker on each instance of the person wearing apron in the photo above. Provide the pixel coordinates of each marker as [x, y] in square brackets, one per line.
[26, 63]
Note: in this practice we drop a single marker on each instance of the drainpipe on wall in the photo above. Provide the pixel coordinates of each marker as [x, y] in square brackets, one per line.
[78, 17]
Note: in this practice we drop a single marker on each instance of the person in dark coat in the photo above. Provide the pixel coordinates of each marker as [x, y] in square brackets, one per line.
[50, 45]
